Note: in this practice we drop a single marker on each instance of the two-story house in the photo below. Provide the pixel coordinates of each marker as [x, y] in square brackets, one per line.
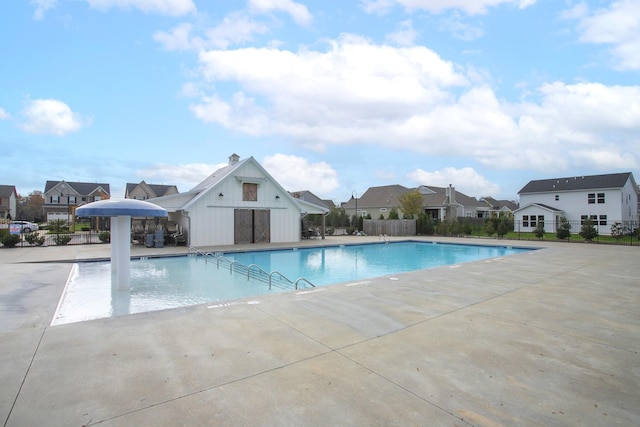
[144, 191]
[604, 199]
[61, 198]
[8, 201]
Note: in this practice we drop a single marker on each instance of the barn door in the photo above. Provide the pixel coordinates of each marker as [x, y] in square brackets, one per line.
[243, 232]
[262, 226]
[252, 226]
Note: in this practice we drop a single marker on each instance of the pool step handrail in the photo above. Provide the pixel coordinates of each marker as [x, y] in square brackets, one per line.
[252, 271]
[302, 279]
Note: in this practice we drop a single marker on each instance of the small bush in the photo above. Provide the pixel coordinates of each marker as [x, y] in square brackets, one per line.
[61, 239]
[588, 231]
[10, 240]
[34, 239]
[104, 236]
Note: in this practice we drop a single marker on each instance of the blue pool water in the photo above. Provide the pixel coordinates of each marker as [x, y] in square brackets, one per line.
[170, 282]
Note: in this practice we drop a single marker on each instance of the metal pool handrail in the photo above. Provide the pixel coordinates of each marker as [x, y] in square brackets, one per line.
[267, 277]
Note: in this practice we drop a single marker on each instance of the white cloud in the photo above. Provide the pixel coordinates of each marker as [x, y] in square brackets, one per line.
[617, 26]
[185, 176]
[470, 7]
[405, 35]
[51, 116]
[357, 92]
[235, 29]
[3, 114]
[465, 180]
[41, 7]
[297, 173]
[298, 11]
[455, 25]
[163, 7]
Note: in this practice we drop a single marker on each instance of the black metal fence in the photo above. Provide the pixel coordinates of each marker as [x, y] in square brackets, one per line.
[609, 232]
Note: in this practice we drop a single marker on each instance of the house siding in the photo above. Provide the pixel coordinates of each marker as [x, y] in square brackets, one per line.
[210, 218]
[620, 204]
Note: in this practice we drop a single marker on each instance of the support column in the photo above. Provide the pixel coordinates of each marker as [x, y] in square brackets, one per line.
[120, 252]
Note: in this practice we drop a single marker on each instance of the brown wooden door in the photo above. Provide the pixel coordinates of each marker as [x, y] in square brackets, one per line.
[252, 226]
[243, 233]
[262, 226]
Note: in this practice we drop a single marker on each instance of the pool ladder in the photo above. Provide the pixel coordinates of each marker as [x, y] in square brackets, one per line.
[252, 271]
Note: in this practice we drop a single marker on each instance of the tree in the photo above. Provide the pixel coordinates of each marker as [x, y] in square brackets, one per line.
[505, 226]
[617, 231]
[30, 208]
[393, 214]
[411, 204]
[588, 230]
[489, 228]
[539, 231]
[564, 229]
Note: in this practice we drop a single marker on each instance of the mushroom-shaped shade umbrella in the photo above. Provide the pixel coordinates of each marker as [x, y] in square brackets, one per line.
[121, 211]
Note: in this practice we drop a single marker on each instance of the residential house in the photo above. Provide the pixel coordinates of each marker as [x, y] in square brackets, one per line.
[8, 201]
[500, 207]
[61, 198]
[440, 202]
[238, 204]
[144, 191]
[604, 199]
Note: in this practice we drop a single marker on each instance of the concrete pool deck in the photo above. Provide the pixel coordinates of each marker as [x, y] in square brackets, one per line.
[548, 337]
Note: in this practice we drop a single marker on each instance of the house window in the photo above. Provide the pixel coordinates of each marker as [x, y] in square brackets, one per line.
[72, 200]
[591, 198]
[383, 209]
[96, 198]
[603, 220]
[557, 197]
[55, 200]
[532, 221]
[583, 218]
[600, 198]
[249, 192]
[525, 220]
[541, 220]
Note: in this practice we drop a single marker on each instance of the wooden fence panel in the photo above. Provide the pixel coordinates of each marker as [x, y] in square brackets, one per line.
[390, 227]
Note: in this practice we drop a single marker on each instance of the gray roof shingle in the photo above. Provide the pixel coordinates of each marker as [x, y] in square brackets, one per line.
[575, 183]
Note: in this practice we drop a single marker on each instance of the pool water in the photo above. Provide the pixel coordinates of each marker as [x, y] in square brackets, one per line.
[170, 282]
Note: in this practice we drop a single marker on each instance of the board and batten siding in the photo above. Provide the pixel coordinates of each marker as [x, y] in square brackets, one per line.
[212, 216]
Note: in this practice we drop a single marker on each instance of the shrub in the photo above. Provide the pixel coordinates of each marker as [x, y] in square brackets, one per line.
[34, 239]
[10, 240]
[564, 229]
[104, 236]
[539, 231]
[588, 231]
[617, 231]
[61, 239]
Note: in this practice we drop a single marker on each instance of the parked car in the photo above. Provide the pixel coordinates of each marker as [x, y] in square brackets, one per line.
[24, 226]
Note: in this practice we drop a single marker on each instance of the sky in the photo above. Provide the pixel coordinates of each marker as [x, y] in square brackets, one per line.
[330, 96]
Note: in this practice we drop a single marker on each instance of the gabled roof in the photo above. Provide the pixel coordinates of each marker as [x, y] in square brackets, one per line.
[81, 188]
[7, 190]
[155, 190]
[437, 196]
[576, 183]
[374, 197]
[501, 204]
[388, 196]
[540, 205]
[309, 197]
[183, 201]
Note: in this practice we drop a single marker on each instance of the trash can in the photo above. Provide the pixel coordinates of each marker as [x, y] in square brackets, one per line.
[148, 240]
[159, 239]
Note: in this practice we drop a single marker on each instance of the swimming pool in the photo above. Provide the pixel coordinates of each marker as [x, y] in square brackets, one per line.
[170, 282]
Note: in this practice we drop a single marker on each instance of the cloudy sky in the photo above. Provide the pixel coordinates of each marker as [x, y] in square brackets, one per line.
[331, 96]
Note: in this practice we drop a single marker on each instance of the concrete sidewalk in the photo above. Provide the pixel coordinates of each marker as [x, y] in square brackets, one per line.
[544, 338]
